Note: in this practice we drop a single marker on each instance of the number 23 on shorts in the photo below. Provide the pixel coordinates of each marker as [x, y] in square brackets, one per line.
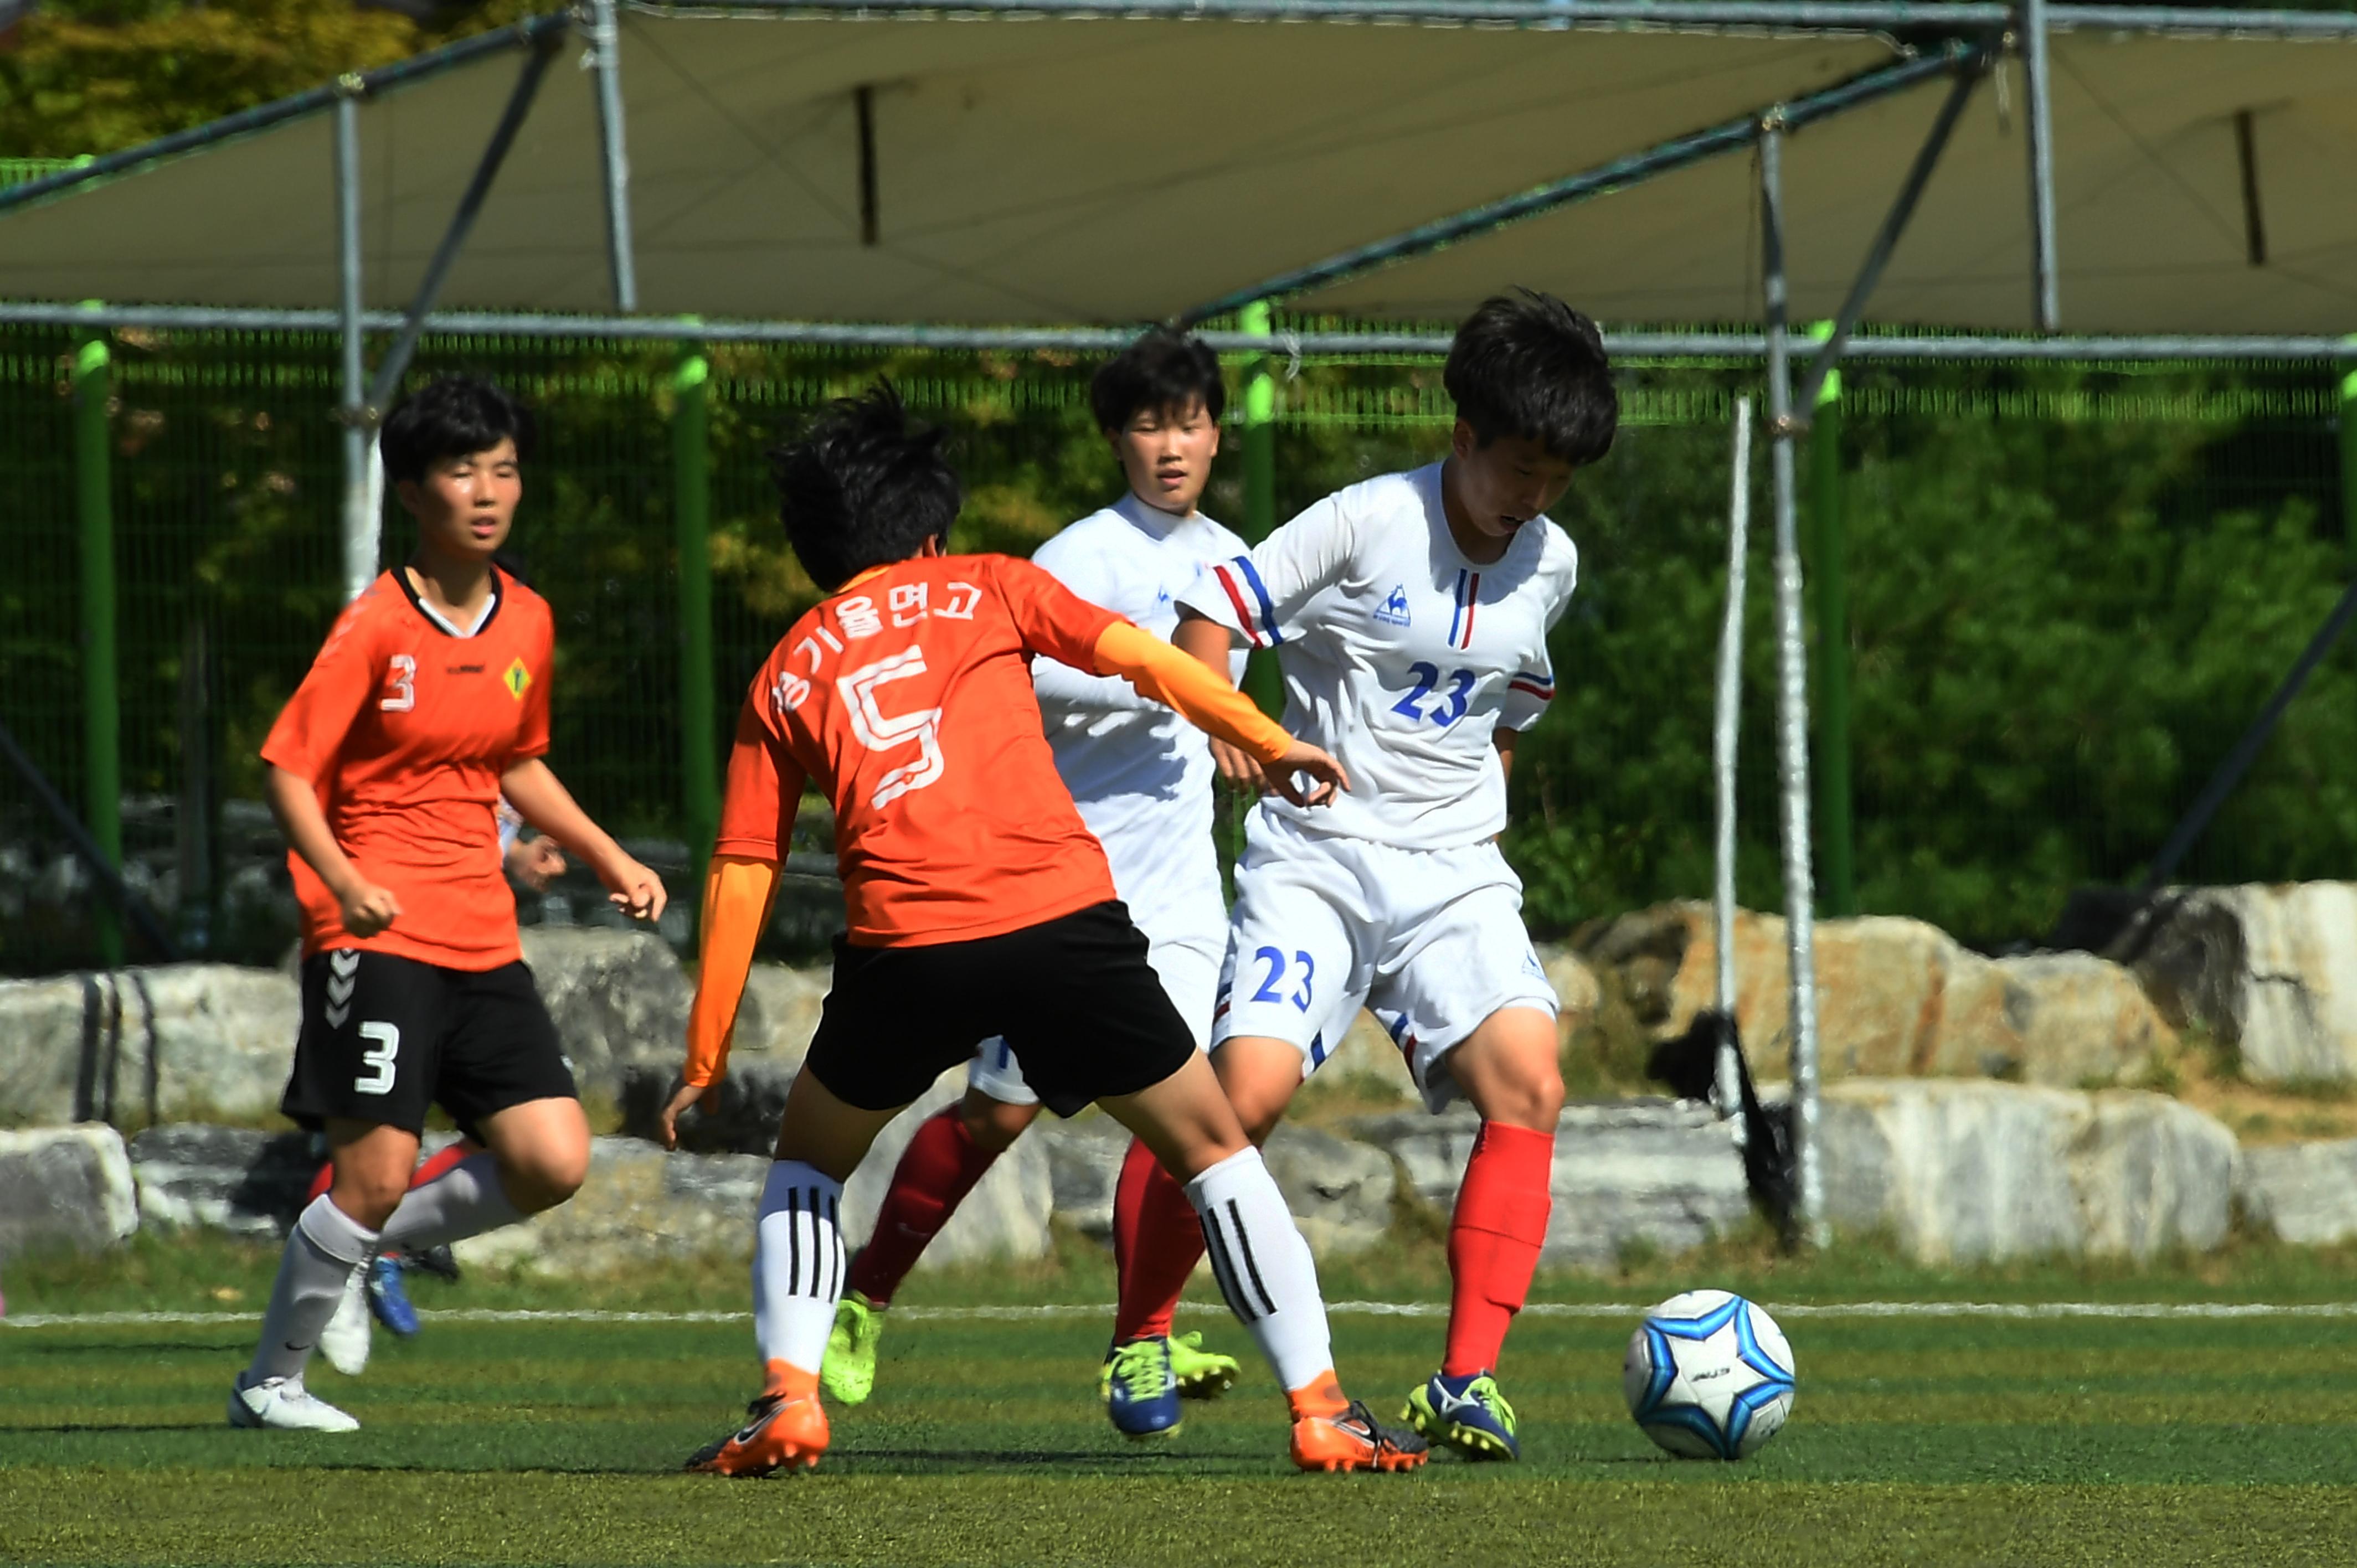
[1273, 981]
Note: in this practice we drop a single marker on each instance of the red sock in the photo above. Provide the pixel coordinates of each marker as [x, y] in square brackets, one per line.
[941, 1166]
[1157, 1241]
[1494, 1241]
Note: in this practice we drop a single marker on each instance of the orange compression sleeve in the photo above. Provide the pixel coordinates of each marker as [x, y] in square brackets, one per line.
[1162, 673]
[737, 895]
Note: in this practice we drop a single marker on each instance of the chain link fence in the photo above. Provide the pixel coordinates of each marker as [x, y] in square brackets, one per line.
[2069, 590]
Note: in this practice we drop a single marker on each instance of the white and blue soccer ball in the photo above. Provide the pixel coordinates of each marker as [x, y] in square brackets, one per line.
[1708, 1376]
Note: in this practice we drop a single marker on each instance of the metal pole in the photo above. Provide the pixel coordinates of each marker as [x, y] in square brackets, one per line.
[2349, 458]
[606, 49]
[699, 738]
[462, 221]
[2045, 267]
[101, 711]
[1829, 564]
[1263, 679]
[360, 509]
[1725, 729]
[1792, 701]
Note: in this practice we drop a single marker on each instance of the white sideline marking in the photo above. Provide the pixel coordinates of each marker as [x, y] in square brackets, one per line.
[1985, 1309]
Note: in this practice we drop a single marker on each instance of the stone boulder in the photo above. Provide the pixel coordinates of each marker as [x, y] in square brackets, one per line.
[2302, 1193]
[775, 1020]
[1897, 998]
[1654, 1175]
[618, 998]
[223, 1179]
[174, 1042]
[1969, 1173]
[65, 1187]
[1340, 1192]
[2269, 970]
[1084, 1160]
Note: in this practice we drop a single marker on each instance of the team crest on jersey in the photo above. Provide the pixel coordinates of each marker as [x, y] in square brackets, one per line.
[517, 680]
[1393, 611]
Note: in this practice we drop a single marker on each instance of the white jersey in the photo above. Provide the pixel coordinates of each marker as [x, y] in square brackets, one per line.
[1140, 774]
[1401, 655]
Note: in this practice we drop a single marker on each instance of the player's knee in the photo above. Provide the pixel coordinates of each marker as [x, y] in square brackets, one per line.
[993, 1125]
[546, 1177]
[1531, 1096]
[366, 1200]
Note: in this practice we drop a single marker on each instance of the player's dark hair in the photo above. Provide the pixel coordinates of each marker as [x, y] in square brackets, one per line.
[863, 485]
[451, 416]
[1164, 371]
[1527, 364]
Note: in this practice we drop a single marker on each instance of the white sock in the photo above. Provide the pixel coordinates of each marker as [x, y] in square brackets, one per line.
[465, 1201]
[1264, 1266]
[797, 1264]
[322, 1250]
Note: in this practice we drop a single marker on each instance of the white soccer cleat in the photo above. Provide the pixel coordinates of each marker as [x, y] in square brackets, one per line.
[345, 1342]
[283, 1404]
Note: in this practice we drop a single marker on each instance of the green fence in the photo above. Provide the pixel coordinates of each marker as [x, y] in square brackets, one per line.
[2069, 590]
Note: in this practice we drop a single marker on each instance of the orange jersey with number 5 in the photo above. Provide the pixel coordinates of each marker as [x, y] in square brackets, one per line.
[906, 698]
[405, 726]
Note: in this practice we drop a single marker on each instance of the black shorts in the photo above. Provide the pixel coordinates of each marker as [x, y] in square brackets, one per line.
[385, 1036]
[1086, 1015]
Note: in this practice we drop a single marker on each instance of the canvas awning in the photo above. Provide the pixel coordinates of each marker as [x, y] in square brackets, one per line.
[1070, 169]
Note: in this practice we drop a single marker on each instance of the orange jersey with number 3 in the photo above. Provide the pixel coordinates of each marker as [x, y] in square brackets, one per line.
[405, 728]
[905, 697]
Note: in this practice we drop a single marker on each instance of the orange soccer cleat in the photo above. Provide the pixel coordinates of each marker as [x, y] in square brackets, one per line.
[785, 1429]
[1331, 1433]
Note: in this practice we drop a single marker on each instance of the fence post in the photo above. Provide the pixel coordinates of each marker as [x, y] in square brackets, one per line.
[1829, 575]
[2348, 456]
[692, 517]
[101, 712]
[1262, 677]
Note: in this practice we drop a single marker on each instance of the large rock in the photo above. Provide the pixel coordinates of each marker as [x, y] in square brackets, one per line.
[619, 1000]
[775, 1020]
[2303, 1193]
[643, 1205]
[1966, 1172]
[1897, 998]
[223, 1179]
[1084, 1158]
[2269, 970]
[176, 1042]
[1340, 1192]
[1652, 1175]
[64, 1187]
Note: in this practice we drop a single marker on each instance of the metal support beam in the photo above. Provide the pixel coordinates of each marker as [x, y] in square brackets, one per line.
[1725, 728]
[1828, 567]
[438, 270]
[101, 704]
[606, 55]
[699, 735]
[360, 510]
[1732, 347]
[1792, 703]
[2349, 458]
[1675, 154]
[1894, 225]
[2045, 268]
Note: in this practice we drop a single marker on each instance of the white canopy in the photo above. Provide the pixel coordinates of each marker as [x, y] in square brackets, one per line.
[1078, 170]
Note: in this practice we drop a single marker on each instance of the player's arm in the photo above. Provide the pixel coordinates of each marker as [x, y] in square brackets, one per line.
[757, 824]
[539, 799]
[1205, 700]
[301, 749]
[295, 806]
[1211, 643]
[1504, 739]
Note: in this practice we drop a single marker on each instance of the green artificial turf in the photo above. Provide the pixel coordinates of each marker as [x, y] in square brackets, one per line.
[1915, 1439]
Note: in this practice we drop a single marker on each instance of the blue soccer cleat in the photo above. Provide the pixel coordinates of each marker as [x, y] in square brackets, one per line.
[388, 1298]
[1466, 1414]
[1141, 1392]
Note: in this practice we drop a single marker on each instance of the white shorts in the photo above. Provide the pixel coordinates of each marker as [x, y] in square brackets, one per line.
[1185, 949]
[1431, 942]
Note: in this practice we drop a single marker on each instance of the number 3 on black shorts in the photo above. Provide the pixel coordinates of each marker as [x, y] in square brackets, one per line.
[383, 1046]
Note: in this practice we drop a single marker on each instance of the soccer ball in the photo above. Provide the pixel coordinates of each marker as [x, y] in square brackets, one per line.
[1708, 1376]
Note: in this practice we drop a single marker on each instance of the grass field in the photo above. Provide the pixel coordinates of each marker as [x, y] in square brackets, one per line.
[2161, 1437]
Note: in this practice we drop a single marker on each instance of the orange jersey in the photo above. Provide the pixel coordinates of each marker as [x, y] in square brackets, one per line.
[905, 697]
[405, 728]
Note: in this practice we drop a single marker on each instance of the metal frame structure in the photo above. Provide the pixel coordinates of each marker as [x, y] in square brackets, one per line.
[1961, 40]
